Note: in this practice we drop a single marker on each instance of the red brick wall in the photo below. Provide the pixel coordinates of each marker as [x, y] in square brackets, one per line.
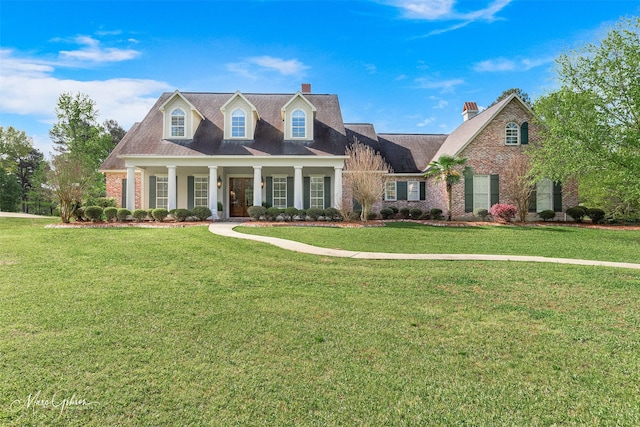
[114, 187]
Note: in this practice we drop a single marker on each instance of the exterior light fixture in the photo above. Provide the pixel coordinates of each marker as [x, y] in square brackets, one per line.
[219, 182]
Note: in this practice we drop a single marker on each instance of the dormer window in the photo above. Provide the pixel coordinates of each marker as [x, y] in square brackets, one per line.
[238, 124]
[512, 134]
[177, 123]
[298, 124]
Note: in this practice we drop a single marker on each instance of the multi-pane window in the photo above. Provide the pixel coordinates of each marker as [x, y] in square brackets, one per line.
[162, 192]
[390, 191]
[238, 124]
[511, 134]
[413, 190]
[200, 191]
[544, 195]
[177, 122]
[481, 192]
[317, 192]
[280, 192]
[298, 124]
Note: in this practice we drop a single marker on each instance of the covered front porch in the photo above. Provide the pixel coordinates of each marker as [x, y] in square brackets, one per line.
[235, 183]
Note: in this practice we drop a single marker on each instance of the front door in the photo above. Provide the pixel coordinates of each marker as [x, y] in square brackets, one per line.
[240, 196]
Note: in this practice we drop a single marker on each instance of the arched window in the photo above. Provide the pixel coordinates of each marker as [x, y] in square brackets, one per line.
[298, 124]
[511, 134]
[177, 122]
[238, 124]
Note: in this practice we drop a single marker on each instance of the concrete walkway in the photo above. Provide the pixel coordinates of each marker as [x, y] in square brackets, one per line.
[227, 230]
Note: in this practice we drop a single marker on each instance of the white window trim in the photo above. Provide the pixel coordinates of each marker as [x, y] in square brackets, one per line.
[244, 128]
[206, 178]
[273, 190]
[395, 191]
[548, 194]
[476, 199]
[158, 177]
[417, 192]
[184, 122]
[304, 124]
[507, 136]
[311, 198]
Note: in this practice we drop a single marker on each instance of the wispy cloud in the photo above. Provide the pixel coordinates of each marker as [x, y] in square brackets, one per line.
[253, 66]
[445, 86]
[93, 52]
[426, 122]
[505, 64]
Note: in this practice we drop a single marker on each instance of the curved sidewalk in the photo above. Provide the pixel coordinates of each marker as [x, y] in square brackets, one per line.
[227, 230]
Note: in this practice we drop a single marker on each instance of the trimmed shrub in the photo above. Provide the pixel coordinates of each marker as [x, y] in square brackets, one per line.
[139, 214]
[394, 209]
[372, 215]
[404, 212]
[290, 212]
[386, 213]
[302, 214]
[503, 212]
[256, 212]
[106, 202]
[416, 213]
[159, 214]
[436, 213]
[78, 213]
[332, 214]
[123, 214]
[596, 215]
[93, 213]
[201, 212]
[577, 213]
[547, 215]
[110, 213]
[219, 207]
[314, 213]
[181, 214]
[272, 213]
[481, 213]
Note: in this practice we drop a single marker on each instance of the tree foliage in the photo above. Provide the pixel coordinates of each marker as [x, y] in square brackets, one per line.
[14, 146]
[446, 169]
[365, 174]
[115, 130]
[70, 179]
[519, 185]
[522, 94]
[591, 124]
[9, 191]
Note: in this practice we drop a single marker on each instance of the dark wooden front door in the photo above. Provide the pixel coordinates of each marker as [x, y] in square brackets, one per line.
[240, 196]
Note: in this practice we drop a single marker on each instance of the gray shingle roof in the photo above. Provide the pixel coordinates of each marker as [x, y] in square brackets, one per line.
[146, 138]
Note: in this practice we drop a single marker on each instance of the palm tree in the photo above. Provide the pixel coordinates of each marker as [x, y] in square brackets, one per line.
[444, 169]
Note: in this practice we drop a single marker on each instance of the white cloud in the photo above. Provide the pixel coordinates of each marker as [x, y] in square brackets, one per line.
[252, 67]
[426, 122]
[445, 86]
[371, 68]
[441, 10]
[92, 51]
[504, 64]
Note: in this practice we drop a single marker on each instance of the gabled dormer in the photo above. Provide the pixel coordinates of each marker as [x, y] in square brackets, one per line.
[298, 115]
[180, 117]
[240, 117]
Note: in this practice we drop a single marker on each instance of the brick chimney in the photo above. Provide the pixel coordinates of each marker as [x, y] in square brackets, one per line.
[469, 110]
[306, 88]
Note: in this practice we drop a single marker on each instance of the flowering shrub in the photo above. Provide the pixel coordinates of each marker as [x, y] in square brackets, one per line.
[503, 212]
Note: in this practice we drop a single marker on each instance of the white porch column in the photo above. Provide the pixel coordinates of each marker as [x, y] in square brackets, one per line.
[297, 187]
[257, 188]
[337, 188]
[172, 188]
[213, 191]
[131, 188]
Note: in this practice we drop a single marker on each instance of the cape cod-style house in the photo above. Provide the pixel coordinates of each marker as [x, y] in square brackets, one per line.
[242, 149]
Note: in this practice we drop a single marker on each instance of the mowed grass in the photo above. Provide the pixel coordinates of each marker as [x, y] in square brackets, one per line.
[403, 237]
[162, 327]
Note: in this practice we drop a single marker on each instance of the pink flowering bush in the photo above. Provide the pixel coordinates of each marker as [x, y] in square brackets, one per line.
[502, 212]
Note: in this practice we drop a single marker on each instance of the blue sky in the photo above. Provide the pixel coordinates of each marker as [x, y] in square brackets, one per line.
[406, 66]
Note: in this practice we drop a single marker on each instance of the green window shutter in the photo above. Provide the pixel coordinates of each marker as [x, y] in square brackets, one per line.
[401, 190]
[123, 201]
[306, 193]
[289, 191]
[468, 193]
[423, 190]
[327, 192]
[269, 185]
[495, 189]
[152, 192]
[524, 134]
[357, 207]
[190, 192]
[557, 196]
[533, 200]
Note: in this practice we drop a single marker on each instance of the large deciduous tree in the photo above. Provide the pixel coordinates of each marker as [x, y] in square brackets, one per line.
[591, 124]
[14, 145]
[445, 169]
[365, 174]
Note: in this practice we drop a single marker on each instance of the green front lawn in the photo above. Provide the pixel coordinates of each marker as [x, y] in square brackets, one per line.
[182, 327]
[405, 237]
